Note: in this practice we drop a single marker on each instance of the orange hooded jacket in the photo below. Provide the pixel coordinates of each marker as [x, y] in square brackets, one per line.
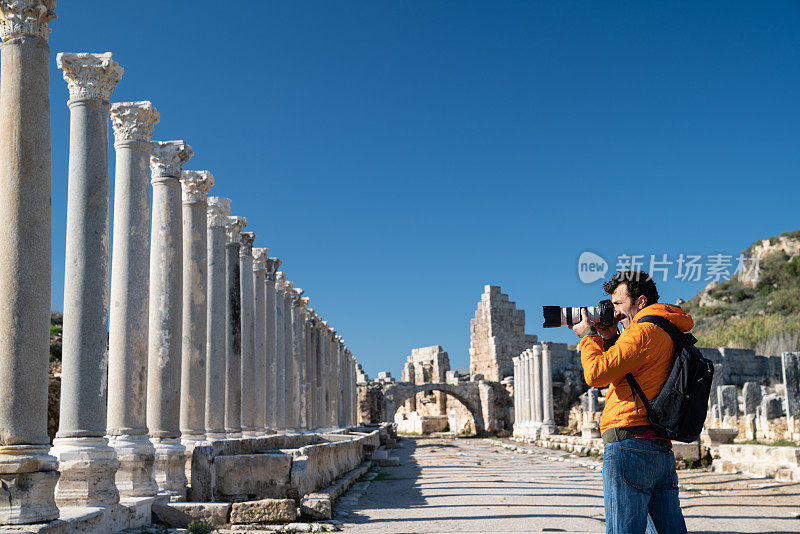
[644, 350]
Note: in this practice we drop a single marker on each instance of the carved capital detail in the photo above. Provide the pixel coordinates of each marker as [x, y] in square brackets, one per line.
[167, 158]
[195, 186]
[133, 121]
[218, 210]
[233, 228]
[272, 268]
[20, 18]
[90, 76]
[260, 259]
[247, 240]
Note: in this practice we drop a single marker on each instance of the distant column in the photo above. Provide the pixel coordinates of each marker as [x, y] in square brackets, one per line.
[331, 370]
[260, 340]
[536, 383]
[549, 424]
[233, 362]
[527, 371]
[515, 360]
[196, 185]
[298, 349]
[280, 352]
[86, 462]
[291, 408]
[25, 267]
[133, 124]
[216, 316]
[166, 329]
[311, 368]
[272, 265]
[248, 334]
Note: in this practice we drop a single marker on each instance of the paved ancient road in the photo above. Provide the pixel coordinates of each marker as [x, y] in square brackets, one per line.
[471, 485]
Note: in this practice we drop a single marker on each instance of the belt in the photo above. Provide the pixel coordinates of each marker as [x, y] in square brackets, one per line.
[625, 432]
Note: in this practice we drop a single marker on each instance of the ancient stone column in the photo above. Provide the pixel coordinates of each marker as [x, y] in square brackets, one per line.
[216, 316]
[166, 311]
[259, 341]
[196, 185]
[298, 349]
[311, 368]
[86, 462]
[248, 334]
[233, 362]
[272, 265]
[527, 367]
[515, 360]
[548, 424]
[133, 124]
[343, 378]
[331, 370]
[25, 268]
[287, 356]
[353, 390]
[306, 403]
[536, 383]
[280, 351]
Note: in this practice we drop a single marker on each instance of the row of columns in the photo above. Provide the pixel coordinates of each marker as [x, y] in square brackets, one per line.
[200, 337]
[533, 392]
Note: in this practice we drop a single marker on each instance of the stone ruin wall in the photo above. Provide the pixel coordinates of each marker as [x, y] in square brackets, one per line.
[497, 334]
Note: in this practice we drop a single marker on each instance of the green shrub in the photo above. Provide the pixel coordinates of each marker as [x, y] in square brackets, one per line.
[199, 527]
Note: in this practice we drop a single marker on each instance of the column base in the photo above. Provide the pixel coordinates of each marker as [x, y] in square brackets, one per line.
[190, 441]
[233, 434]
[136, 458]
[27, 493]
[88, 467]
[249, 433]
[170, 468]
[216, 436]
[549, 428]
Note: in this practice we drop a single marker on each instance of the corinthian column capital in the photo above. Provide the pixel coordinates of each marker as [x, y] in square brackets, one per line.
[89, 76]
[234, 227]
[195, 186]
[20, 18]
[303, 302]
[272, 267]
[217, 211]
[248, 238]
[133, 121]
[260, 259]
[167, 158]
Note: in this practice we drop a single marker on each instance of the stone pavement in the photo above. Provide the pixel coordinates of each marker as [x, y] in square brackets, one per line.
[474, 485]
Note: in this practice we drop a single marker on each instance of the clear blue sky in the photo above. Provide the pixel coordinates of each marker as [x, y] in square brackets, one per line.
[398, 155]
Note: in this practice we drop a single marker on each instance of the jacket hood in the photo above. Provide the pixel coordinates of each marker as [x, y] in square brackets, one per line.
[673, 314]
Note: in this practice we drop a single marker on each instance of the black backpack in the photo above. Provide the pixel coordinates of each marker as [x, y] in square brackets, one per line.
[679, 410]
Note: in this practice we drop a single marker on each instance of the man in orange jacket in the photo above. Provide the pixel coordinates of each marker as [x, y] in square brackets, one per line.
[640, 484]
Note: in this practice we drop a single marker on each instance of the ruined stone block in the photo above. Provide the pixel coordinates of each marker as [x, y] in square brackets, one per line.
[771, 406]
[751, 392]
[316, 506]
[729, 401]
[791, 382]
[264, 511]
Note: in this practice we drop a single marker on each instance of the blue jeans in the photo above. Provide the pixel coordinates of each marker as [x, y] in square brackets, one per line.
[640, 488]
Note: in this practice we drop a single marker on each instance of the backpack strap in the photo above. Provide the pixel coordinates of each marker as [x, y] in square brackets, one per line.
[667, 326]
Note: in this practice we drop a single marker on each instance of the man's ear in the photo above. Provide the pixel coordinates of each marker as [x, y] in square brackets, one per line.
[641, 302]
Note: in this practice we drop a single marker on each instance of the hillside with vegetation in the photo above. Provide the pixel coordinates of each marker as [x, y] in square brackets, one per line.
[760, 313]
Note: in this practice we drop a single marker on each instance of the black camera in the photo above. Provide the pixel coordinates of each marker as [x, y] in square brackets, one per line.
[602, 314]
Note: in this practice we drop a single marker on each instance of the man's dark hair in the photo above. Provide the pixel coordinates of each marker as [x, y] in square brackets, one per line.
[638, 282]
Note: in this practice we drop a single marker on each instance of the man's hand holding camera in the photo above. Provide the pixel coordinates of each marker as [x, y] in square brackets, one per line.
[586, 327]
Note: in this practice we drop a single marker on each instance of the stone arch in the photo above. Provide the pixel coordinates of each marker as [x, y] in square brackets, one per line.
[467, 394]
